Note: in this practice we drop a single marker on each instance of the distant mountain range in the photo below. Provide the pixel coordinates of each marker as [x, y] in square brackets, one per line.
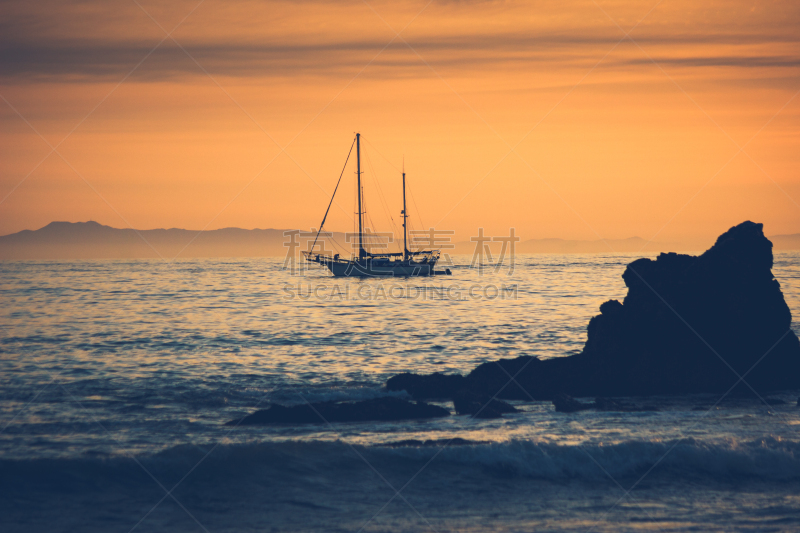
[786, 242]
[90, 240]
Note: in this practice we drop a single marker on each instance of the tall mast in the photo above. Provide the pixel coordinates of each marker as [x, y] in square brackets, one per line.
[405, 216]
[361, 251]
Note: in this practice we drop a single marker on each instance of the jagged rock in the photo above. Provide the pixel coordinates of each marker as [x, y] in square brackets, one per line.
[427, 387]
[377, 409]
[694, 324]
[568, 404]
[480, 405]
[505, 379]
[485, 377]
[689, 324]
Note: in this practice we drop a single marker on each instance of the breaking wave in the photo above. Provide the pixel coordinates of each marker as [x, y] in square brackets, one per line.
[768, 459]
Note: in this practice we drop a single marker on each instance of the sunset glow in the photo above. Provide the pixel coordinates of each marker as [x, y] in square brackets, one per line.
[544, 117]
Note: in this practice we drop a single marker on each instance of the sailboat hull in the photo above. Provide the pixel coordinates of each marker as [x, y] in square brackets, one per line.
[371, 269]
[374, 267]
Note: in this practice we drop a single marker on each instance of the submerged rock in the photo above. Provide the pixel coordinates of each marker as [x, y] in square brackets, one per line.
[568, 404]
[689, 324]
[609, 404]
[480, 406]
[774, 401]
[427, 387]
[439, 443]
[377, 409]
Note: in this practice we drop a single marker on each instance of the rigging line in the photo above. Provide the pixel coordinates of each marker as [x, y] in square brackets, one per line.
[336, 243]
[394, 167]
[395, 228]
[414, 236]
[415, 244]
[380, 154]
[415, 205]
[356, 214]
[373, 240]
[352, 246]
[369, 232]
[409, 189]
[339, 247]
[382, 198]
[364, 239]
[366, 214]
[333, 195]
[371, 237]
[424, 229]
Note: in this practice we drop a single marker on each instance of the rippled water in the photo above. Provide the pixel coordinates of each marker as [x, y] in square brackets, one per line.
[104, 361]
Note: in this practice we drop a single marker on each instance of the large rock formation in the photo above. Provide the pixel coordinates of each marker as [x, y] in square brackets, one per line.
[688, 324]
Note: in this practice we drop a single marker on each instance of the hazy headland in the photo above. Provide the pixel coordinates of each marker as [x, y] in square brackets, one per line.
[91, 240]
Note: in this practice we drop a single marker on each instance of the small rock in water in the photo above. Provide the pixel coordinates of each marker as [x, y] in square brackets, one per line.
[426, 387]
[568, 404]
[774, 401]
[480, 405]
[376, 409]
[608, 404]
[455, 441]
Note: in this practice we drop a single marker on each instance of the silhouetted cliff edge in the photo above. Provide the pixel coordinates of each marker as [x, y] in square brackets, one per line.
[687, 324]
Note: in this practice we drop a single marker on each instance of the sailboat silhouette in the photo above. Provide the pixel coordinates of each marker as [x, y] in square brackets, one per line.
[366, 263]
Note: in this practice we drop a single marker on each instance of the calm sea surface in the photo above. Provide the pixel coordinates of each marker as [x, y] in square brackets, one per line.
[116, 379]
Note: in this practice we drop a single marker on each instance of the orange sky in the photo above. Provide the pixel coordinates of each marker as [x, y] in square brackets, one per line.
[611, 137]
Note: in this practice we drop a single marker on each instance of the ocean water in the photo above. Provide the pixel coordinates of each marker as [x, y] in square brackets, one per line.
[117, 377]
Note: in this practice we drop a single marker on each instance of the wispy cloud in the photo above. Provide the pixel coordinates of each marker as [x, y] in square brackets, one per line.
[78, 41]
[86, 61]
